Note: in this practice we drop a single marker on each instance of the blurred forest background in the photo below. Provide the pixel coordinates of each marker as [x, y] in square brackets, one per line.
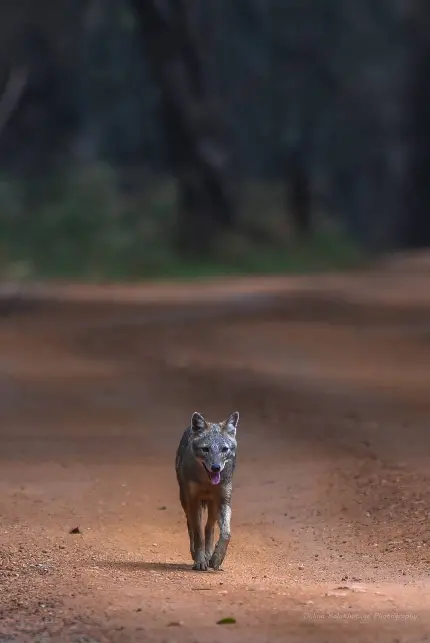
[154, 137]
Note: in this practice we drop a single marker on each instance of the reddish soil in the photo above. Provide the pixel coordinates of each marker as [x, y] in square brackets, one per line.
[330, 525]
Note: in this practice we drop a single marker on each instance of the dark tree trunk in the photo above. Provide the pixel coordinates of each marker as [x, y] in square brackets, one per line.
[37, 124]
[192, 136]
[417, 206]
[299, 194]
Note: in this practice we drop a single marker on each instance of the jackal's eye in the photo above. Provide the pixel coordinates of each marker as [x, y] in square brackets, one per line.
[224, 449]
[205, 449]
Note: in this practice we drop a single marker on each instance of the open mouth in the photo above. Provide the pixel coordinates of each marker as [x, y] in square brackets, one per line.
[214, 476]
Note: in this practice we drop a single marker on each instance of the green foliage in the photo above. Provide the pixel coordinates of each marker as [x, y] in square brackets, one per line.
[228, 620]
[83, 226]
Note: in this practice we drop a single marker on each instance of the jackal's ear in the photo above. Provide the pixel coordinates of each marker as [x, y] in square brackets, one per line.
[230, 425]
[198, 422]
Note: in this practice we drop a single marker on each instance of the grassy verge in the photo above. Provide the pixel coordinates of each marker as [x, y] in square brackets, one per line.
[84, 228]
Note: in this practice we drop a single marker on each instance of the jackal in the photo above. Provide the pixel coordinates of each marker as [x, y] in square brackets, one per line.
[205, 463]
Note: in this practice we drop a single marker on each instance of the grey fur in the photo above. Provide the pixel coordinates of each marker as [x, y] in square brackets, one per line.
[207, 451]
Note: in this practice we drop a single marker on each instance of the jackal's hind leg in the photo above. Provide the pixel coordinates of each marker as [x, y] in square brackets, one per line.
[210, 530]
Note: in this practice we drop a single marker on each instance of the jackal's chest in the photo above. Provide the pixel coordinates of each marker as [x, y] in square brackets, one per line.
[207, 492]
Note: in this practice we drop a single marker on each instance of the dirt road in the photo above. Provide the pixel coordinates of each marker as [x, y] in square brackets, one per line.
[330, 527]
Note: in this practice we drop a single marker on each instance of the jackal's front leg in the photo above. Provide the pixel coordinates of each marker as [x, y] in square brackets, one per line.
[224, 539]
[196, 535]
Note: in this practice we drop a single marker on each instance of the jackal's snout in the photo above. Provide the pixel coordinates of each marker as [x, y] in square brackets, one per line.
[214, 472]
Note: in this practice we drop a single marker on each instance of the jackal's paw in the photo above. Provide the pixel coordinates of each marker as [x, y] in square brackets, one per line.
[215, 563]
[201, 567]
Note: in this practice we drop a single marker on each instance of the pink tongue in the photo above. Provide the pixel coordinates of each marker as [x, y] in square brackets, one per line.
[215, 477]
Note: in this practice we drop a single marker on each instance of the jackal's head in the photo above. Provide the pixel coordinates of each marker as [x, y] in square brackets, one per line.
[214, 444]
